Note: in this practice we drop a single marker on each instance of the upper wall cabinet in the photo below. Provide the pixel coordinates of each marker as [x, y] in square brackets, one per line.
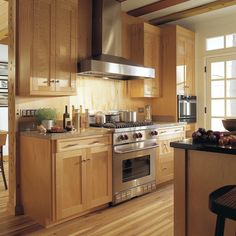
[145, 50]
[47, 47]
[185, 61]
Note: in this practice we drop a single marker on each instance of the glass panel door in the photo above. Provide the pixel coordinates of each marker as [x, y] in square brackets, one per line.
[221, 90]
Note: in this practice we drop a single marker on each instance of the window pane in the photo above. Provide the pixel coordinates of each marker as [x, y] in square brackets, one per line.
[230, 40]
[217, 70]
[217, 107]
[217, 89]
[231, 107]
[216, 124]
[231, 88]
[231, 69]
[215, 43]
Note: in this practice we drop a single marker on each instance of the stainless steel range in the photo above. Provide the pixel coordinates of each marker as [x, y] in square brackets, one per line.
[134, 159]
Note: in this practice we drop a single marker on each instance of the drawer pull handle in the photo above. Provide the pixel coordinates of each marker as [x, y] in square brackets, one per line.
[88, 159]
[71, 145]
[164, 168]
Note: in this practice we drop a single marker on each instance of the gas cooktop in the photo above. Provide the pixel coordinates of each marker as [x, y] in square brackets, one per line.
[117, 125]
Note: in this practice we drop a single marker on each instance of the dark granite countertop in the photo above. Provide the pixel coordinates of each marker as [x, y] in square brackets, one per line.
[188, 144]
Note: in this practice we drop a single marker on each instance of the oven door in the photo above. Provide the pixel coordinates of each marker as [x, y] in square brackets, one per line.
[133, 165]
[187, 110]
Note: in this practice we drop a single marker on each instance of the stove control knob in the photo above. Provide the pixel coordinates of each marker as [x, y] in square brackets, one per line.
[140, 135]
[126, 137]
[154, 133]
[136, 135]
[121, 137]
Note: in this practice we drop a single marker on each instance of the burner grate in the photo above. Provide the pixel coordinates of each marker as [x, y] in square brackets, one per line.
[118, 125]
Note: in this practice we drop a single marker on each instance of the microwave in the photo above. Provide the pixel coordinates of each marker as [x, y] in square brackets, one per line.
[187, 108]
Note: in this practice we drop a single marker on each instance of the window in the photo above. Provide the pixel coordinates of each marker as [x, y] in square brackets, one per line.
[221, 42]
[221, 90]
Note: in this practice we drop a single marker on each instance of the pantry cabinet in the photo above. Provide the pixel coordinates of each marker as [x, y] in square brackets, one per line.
[178, 69]
[145, 50]
[47, 47]
[64, 178]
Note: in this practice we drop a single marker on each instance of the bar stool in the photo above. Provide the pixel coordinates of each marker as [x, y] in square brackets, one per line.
[223, 203]
[3, 137]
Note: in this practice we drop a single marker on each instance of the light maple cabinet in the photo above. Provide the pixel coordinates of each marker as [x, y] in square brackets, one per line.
[165, 156]
[64, 178]
[178, 69]
[185, 58]
[145, 50]
[47, 47]
[83, 176]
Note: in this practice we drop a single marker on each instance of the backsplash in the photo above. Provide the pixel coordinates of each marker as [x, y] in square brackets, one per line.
[105, 94]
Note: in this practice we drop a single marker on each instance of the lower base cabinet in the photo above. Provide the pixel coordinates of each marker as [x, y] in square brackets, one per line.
[165, 157]
[77, 176]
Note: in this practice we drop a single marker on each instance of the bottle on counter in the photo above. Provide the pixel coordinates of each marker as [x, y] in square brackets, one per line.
[66, 117]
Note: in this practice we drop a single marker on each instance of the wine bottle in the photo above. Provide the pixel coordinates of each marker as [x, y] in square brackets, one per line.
[66, 117]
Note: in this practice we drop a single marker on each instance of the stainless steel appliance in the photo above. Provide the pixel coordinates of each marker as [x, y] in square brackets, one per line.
[134, 159]
[107, 58]
[187, 108]
[3, 84]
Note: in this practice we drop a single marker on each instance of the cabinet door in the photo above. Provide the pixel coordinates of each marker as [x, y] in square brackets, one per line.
[66, 51]
[181, 64]
[152, 59]
[43, 47]
[190, 65]
[70, 183]
[99, 176]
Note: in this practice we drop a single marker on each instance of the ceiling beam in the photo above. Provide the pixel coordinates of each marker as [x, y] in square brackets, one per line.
[155, 6]
[193, 11]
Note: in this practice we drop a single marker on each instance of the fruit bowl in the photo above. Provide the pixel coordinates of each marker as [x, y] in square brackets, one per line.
[229, 124]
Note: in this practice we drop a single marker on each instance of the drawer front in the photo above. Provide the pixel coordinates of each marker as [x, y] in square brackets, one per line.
[64, 145]
[166, 168]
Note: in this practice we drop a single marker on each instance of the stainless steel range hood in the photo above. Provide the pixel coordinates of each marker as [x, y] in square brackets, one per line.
[106, 58]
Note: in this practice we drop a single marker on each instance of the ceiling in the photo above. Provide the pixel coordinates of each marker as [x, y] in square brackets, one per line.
[155, 11]
[164, 11]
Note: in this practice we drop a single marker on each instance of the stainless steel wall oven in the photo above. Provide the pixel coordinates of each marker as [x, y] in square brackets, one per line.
[187, 108]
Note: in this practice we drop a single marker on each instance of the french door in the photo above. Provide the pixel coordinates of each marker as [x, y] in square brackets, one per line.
[220, 90]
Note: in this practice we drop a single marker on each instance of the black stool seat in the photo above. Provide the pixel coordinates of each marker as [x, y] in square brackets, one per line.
[223, 203]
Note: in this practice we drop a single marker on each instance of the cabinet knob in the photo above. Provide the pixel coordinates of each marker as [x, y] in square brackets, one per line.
[52, 81]
[57, 81]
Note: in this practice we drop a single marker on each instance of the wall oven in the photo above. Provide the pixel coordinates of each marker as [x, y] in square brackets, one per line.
[187, 108]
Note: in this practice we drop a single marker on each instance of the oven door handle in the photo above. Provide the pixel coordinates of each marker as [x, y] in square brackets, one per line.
[135, 149]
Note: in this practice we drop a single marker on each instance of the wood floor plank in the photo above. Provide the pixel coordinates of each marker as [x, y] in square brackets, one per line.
[148, 215]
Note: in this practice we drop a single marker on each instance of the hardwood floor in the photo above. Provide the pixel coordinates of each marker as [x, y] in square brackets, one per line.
[151, 214]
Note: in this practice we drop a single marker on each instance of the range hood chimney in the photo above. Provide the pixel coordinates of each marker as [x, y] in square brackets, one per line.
[106, 58]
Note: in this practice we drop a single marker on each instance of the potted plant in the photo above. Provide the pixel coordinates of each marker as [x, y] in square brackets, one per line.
[46, 117]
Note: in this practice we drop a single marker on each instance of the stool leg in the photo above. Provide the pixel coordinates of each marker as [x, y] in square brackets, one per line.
[220, 225]
[2, 169]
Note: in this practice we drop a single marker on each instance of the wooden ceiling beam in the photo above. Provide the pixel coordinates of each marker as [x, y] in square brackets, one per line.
[155, 6]
[193, 11]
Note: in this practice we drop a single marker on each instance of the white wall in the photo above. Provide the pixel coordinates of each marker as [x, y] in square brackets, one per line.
[219, 22]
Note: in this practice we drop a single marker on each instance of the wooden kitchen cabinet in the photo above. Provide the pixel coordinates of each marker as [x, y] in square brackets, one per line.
[83, 176]
[47, 47]
[165, 161]
[185, 58]
[64, 178]
[178, 70]
[145, 50]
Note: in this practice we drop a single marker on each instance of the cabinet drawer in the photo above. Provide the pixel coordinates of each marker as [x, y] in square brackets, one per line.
[64, 145]
[166, 168]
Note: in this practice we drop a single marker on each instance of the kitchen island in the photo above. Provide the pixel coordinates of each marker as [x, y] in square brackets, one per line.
[199, 169]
